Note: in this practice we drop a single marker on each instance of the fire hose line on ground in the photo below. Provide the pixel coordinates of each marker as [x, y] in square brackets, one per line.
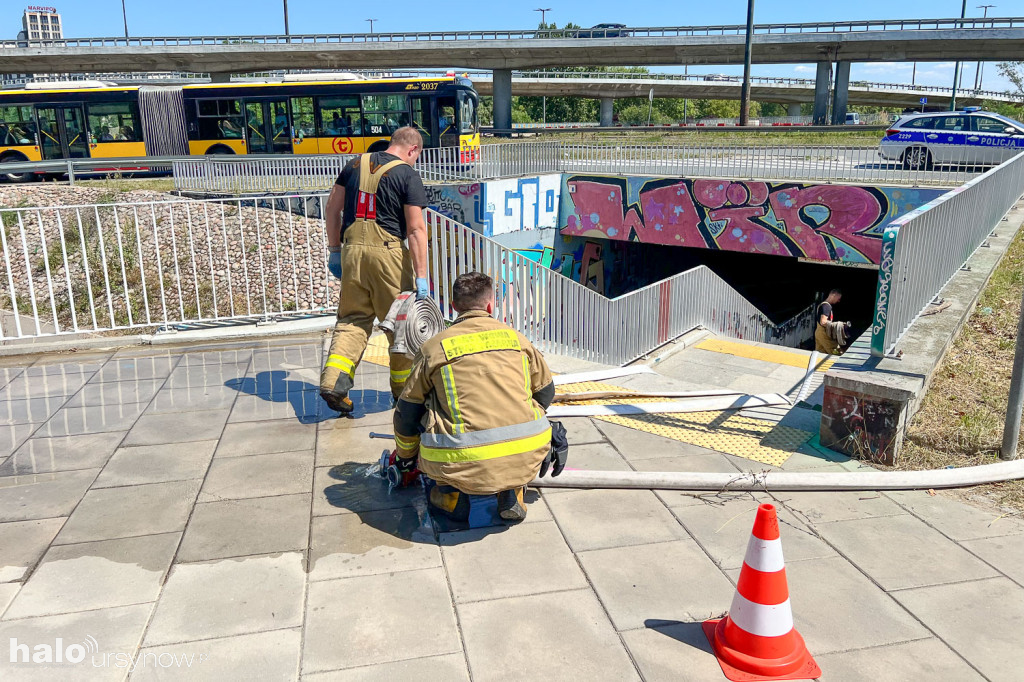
[787, 481]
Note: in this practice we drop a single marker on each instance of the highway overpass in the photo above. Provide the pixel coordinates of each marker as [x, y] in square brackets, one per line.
[788, 91]
[838, 43]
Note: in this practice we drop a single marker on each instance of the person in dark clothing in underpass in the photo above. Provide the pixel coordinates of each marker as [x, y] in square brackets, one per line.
[829, 335]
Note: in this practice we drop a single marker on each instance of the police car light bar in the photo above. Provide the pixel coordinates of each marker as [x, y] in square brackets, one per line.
[971, 110]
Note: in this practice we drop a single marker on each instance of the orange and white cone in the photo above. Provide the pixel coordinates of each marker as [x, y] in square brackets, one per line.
[756, 639]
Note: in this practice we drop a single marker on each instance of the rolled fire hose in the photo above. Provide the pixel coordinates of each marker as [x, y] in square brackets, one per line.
[787, 481]
[412, 322]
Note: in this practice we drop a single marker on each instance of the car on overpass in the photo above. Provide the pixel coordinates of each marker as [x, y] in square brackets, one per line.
[603, 31]
[969, 137]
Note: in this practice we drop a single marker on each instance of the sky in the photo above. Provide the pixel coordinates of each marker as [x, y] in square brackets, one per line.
[93, 18]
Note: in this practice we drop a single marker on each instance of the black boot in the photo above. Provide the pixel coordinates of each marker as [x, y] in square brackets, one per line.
[511, 506]
[337, 402]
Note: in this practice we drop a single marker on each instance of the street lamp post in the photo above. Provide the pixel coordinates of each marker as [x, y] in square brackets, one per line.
[286, 17]
[745, 93]
[371, 24]
[543, 15]
[956, 71]
[979, 73]
[124, 15]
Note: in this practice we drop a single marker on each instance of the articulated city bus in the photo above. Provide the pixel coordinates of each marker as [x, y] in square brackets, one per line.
[300, 115]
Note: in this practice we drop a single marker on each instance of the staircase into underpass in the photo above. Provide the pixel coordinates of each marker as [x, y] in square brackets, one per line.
[561, 316]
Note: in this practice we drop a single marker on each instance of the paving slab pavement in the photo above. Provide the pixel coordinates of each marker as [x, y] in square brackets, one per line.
[203, 502]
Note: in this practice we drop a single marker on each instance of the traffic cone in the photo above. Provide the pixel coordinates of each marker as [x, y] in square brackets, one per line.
[756, 639]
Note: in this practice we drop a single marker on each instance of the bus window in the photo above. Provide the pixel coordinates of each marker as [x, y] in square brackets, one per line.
[16, 126]
[339, 116]
[220, 119]
[114, 122]
[385, 113]
[421, 119]
[303, 118]
[467, 113]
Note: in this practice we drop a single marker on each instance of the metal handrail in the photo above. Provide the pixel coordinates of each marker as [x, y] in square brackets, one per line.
[924, 249]
[611, 33]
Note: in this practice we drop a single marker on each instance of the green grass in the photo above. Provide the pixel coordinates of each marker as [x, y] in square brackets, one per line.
[960, 422]
[855, 138]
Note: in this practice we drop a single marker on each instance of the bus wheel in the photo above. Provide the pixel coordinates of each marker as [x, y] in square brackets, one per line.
[219, 150]
[15, 157]
[378, 146]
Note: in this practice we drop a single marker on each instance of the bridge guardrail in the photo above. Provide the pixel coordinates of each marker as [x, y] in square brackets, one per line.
[581, 33]
[924, 249]
[476, 73]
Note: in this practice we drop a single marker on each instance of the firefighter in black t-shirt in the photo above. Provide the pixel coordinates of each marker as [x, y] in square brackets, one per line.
[382, 199]
[824, 341]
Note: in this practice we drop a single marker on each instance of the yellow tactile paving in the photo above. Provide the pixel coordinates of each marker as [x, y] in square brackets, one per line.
[377, 351]
[722, 430]
[774, 355]
[755, 439]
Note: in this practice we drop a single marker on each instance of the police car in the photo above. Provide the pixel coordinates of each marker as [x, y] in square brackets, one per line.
[971, 137]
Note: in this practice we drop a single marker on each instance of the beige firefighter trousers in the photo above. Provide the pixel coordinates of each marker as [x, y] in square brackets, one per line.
[375, 268]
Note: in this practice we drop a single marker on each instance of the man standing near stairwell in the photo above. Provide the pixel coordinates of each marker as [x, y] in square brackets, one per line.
[378, 246]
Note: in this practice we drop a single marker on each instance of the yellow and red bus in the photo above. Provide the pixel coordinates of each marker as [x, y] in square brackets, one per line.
[303, 114]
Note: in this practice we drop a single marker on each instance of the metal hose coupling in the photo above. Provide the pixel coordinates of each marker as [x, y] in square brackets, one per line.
[412, 322]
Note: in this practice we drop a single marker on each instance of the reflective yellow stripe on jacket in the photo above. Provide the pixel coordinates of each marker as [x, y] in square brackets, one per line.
[400, 376]
[487, 444]
[448, 376]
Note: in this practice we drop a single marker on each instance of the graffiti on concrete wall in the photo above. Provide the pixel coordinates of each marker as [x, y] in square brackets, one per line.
[861, 426]
[461, 203]
[608, 267]
[519, 204]
[836, 223]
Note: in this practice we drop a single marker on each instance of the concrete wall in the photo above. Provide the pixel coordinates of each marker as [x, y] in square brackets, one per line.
[828, 223]
[498, 207]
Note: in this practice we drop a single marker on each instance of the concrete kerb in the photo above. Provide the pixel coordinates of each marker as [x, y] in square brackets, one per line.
[894, 387]
[247, 332]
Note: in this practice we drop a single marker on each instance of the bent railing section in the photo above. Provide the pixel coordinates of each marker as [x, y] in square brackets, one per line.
[924, 249]
[564, 317]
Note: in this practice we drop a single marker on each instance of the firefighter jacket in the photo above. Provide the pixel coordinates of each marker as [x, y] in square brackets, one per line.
[481, 429]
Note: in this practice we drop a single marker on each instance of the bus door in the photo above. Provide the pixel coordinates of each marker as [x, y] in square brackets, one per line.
[62, 133]
[423, 119]
[447, 125]
[268, 127]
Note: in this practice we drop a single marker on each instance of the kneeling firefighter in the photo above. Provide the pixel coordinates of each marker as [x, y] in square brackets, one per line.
[473, 410]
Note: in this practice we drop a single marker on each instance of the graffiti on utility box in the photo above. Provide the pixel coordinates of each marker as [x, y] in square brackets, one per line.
[830, 223]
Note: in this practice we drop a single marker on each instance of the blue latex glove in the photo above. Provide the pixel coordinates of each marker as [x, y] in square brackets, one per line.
[422, 288]
[334, 263]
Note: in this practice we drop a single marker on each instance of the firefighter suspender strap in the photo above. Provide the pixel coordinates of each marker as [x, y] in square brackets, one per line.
[366, 203]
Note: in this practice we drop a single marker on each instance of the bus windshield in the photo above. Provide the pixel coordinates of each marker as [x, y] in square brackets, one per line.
[467, 113]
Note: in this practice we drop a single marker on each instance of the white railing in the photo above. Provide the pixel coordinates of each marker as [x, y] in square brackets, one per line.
[812, 163]
[99, 268]
[924, 249]
[237, 175]
[564, 317]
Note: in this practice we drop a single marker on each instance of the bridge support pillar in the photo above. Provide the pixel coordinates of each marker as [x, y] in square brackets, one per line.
[841, 93]
[220, 77]
[502, 83]
[793, 109]
[821, 88]
[607, 112]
